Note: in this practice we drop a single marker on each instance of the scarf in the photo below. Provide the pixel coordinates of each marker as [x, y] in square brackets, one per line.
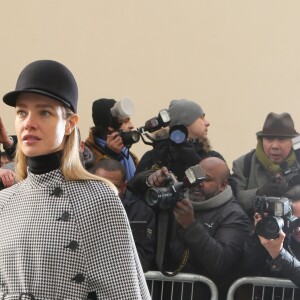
[215, 201]
[270, 166]
[126, 159]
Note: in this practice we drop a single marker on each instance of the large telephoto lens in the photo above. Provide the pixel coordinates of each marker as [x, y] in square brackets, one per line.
[269, 227]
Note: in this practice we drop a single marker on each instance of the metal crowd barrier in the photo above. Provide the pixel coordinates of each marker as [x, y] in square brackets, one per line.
[263, 288]
[186, 281]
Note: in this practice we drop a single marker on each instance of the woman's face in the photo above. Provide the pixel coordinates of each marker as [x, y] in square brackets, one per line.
[40, 124]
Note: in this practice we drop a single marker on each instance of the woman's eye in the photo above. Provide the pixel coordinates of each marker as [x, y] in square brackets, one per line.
[21, 113]
[45, 113]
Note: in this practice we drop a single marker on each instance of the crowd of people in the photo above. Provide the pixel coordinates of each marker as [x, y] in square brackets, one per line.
[85, 218]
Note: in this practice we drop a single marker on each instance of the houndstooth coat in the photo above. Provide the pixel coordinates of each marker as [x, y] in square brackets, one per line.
[61, 239]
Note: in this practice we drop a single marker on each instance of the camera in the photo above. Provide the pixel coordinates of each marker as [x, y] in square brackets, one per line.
[162, 120]
[166, 197]
[291, 176]
[276, 213]
[129, 137]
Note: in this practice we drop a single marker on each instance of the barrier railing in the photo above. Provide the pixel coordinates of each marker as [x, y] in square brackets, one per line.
[264, 288]
[186, 281]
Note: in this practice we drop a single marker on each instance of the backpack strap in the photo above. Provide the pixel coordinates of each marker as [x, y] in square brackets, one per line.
[247, 163]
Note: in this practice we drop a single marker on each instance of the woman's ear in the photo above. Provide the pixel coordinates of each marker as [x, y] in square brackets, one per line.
[71, 124]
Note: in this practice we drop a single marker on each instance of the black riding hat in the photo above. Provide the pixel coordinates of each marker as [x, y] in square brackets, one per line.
[49, 78]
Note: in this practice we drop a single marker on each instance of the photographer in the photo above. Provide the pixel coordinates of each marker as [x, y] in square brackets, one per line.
[177, 158]
[136, 210]
[279, 256]
[263, 171]
[207, 227]
[104, 141]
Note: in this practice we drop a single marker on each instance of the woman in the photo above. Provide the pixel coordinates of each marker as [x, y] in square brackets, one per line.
[63, 232]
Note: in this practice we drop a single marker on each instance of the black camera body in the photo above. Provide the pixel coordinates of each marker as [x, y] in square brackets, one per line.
[166, 197]
[129, 137]
[291, 176]
[276, 213]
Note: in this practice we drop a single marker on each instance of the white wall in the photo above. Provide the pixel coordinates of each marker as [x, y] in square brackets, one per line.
[238, 59]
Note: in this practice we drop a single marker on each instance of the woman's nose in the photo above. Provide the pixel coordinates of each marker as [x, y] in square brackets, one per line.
[30, 123]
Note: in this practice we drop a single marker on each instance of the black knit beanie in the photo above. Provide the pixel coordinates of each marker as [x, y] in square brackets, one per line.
[102, 116]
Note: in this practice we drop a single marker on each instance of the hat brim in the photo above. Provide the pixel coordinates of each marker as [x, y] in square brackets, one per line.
[261, 134]
[11, 97]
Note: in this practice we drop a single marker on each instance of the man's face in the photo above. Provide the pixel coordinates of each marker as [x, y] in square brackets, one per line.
[199, 129]
[116, 178]
[207, 189]
[126, 125]
[277, 149]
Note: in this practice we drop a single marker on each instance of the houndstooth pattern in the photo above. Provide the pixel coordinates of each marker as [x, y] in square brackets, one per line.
[61, 239]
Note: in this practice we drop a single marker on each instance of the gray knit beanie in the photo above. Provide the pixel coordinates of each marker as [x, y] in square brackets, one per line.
[184, 112]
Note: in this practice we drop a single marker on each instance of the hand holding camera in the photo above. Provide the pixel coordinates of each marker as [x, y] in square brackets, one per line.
[114, 142]
[184, 213]
[275, 214]
[273, 246]
[158, 178]
[166, 197]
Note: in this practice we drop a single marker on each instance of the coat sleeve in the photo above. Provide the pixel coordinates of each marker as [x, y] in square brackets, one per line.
[287, 266]
[112, 264]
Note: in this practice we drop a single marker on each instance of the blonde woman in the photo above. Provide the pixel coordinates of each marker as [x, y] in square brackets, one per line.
[63, 232]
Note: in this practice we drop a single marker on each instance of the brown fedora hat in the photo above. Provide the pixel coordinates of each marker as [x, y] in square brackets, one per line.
[278, 125]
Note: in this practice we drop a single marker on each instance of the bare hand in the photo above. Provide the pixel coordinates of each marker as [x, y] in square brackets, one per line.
[158, 177]
[114, 142]
[184, 213]
[7, 177]
[273, 246]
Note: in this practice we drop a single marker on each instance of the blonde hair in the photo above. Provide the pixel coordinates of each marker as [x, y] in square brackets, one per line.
[70, 165]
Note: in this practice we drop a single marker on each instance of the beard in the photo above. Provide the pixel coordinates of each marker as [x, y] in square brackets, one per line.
[197, 194]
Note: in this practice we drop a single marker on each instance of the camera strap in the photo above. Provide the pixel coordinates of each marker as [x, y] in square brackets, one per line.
[161, 246]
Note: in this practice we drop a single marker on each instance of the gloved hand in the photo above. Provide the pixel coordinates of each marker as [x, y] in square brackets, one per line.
[270, 189]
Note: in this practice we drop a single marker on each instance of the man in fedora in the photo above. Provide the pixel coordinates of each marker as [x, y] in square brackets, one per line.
[263, 171]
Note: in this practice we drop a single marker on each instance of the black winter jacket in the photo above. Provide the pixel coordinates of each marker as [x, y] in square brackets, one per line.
[215, 241]
[257, 261]
[137, 210]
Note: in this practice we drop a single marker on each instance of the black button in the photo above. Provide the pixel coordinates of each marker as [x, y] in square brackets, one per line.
[79, 278]
[57, 192]
[73, 245]
[65, 216]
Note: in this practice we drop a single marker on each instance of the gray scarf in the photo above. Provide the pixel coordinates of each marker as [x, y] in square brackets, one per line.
[215, 201]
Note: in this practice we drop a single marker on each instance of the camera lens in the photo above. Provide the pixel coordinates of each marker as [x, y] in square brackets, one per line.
[269, 227]
[162, 197]
[178, 134]
[155, 195]
[129, 137]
